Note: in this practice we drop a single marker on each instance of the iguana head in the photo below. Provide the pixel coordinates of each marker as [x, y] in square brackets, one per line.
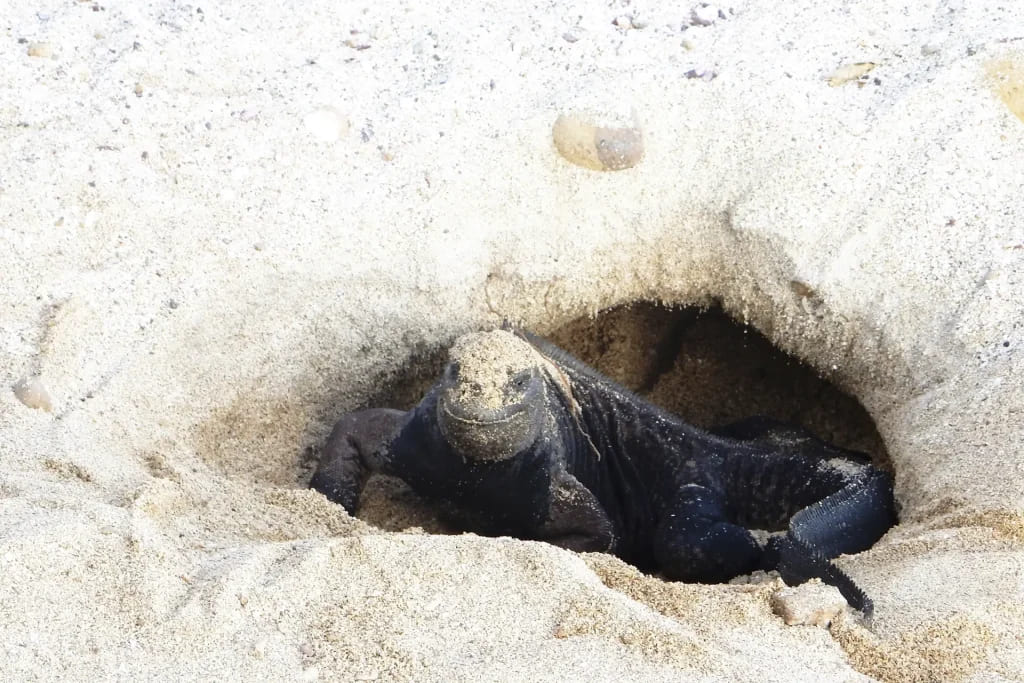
[492, 396]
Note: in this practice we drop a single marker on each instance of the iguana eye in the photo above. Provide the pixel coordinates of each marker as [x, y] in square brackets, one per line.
[520, 381]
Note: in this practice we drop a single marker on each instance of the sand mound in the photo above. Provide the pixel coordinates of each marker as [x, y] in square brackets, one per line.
[223, 226]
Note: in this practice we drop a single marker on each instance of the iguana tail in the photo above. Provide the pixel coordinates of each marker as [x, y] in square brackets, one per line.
[848, 521]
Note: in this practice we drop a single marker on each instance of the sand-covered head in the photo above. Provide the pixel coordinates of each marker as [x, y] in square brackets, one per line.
[491, 369]
[492, 395]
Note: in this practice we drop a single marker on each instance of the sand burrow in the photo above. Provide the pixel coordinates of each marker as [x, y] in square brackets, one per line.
[697, 363]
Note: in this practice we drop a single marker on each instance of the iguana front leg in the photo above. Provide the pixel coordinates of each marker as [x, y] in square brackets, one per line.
[576, 520]
[357, 447]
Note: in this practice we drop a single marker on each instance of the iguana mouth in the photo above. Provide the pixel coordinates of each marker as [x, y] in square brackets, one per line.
[483, 418]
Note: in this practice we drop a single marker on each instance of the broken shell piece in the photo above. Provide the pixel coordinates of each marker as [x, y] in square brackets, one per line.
[1006, 77]
[43, 50]
[811, 604]
[850, 72]
[31, 392]
[600, 148]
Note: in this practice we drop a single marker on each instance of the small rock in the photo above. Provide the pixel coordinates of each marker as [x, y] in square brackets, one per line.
[327, 124]
[600, 148]
[44, 50]
[802, 289]
[703, 73]
[850, 72]
[31, 392]
[811, 604]
[705, 15]
[138, 90]
[358, 40]
[259, 649]
[306, 649]
[569, 37]
[623, 22]
[933, 44]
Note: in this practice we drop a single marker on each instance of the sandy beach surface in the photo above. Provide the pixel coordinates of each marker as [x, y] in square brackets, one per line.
[223, 225]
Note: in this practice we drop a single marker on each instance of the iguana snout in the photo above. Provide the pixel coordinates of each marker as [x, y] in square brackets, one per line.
[491, 394]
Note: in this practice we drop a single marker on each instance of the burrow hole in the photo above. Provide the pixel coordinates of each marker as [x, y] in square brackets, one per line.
[699, 364]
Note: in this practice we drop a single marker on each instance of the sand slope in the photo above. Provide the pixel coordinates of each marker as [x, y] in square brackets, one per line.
[222, 226]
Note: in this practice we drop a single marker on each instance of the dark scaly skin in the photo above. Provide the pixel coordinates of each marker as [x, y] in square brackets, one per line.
[574, 459]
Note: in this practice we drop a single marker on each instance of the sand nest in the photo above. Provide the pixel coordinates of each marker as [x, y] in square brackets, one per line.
[223, 226]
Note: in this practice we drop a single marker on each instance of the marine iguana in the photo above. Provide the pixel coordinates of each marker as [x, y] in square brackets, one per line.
[519, 438]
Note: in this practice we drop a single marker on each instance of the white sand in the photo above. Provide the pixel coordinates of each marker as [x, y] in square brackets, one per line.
[222, 227]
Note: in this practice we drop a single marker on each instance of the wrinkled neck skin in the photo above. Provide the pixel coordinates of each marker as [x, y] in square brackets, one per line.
[626, 459]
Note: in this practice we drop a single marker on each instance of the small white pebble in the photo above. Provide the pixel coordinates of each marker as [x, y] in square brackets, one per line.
[31, 392]
[80, 71]
[136, 61]
[811, 604]
[623, 22]
[326, 124]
